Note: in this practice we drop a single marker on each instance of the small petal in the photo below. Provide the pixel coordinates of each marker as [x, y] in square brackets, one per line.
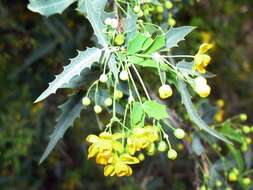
[204, 48]
[109, 170]
[92, 139]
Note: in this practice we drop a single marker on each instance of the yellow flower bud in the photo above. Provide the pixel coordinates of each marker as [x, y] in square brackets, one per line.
[165, 91]
[201, 87]
[119, 39]
[232, 176]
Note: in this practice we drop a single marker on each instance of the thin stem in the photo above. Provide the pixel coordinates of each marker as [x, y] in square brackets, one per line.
[135, 88]
[141, 81]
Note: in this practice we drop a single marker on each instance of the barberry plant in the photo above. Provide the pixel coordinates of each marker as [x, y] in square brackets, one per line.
[133, 53]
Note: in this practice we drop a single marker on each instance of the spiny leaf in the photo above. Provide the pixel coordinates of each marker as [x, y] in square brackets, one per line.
[136, 43]
[186, 68]
[94, 10]
[158, 43]
[49, 7]
[130, 24]
[70, 111]
[84, 60]
[192, 112]
[176, 35]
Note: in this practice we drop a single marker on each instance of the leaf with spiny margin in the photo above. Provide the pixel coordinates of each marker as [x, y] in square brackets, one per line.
[70, 112]
[83, 60]
[176, 35]
[94, 11]
[130, 24]
[193, 114]
[49, 7]
[83, 80]
[186, 68]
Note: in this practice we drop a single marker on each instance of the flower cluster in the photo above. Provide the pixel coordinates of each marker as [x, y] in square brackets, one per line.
[117, 151]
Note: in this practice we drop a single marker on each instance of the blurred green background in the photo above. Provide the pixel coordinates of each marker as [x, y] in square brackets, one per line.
[34, 48]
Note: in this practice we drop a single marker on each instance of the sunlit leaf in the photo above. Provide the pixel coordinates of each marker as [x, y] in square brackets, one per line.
[84, 60]
[193, 114]
[155, 110]
[176, 35]
[49, 7]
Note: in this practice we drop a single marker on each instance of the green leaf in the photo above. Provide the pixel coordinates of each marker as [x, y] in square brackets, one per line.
[113, 66]
[70, 111]
[49, 7]
[138, 114]
[136, 43]
[237, 156]
[197, 146]
[83, 80]
[155, 110]
[84, 60]
[193, 114]
[94, 10]
[232, 134]
[147, 62]
[147, 44]
[158, 43]
[176, 35]
[186, 68]
[130, 24]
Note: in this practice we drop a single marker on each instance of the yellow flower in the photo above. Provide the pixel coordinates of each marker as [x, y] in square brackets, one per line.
[120, 166]
[201, 59]
[103, 145]
[141, 138]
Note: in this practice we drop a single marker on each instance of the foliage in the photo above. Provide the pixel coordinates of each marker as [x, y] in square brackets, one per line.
[213, 161]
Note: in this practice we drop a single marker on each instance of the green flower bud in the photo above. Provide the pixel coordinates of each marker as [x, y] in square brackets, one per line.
[108, 102]
[168, 4]
[159, 9]
[137, 9]
[86, 101]
[218, 183]
[246, 181]
[232, 176]
[103, 78]
[118, 94]
[119, 39]
[171, 22]
[141, 156]
[179, 133]
[162, 146]
[123, 75]
[172, 154]
[151, 149]
[246, 129]
[97, 109]
[243, 117]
